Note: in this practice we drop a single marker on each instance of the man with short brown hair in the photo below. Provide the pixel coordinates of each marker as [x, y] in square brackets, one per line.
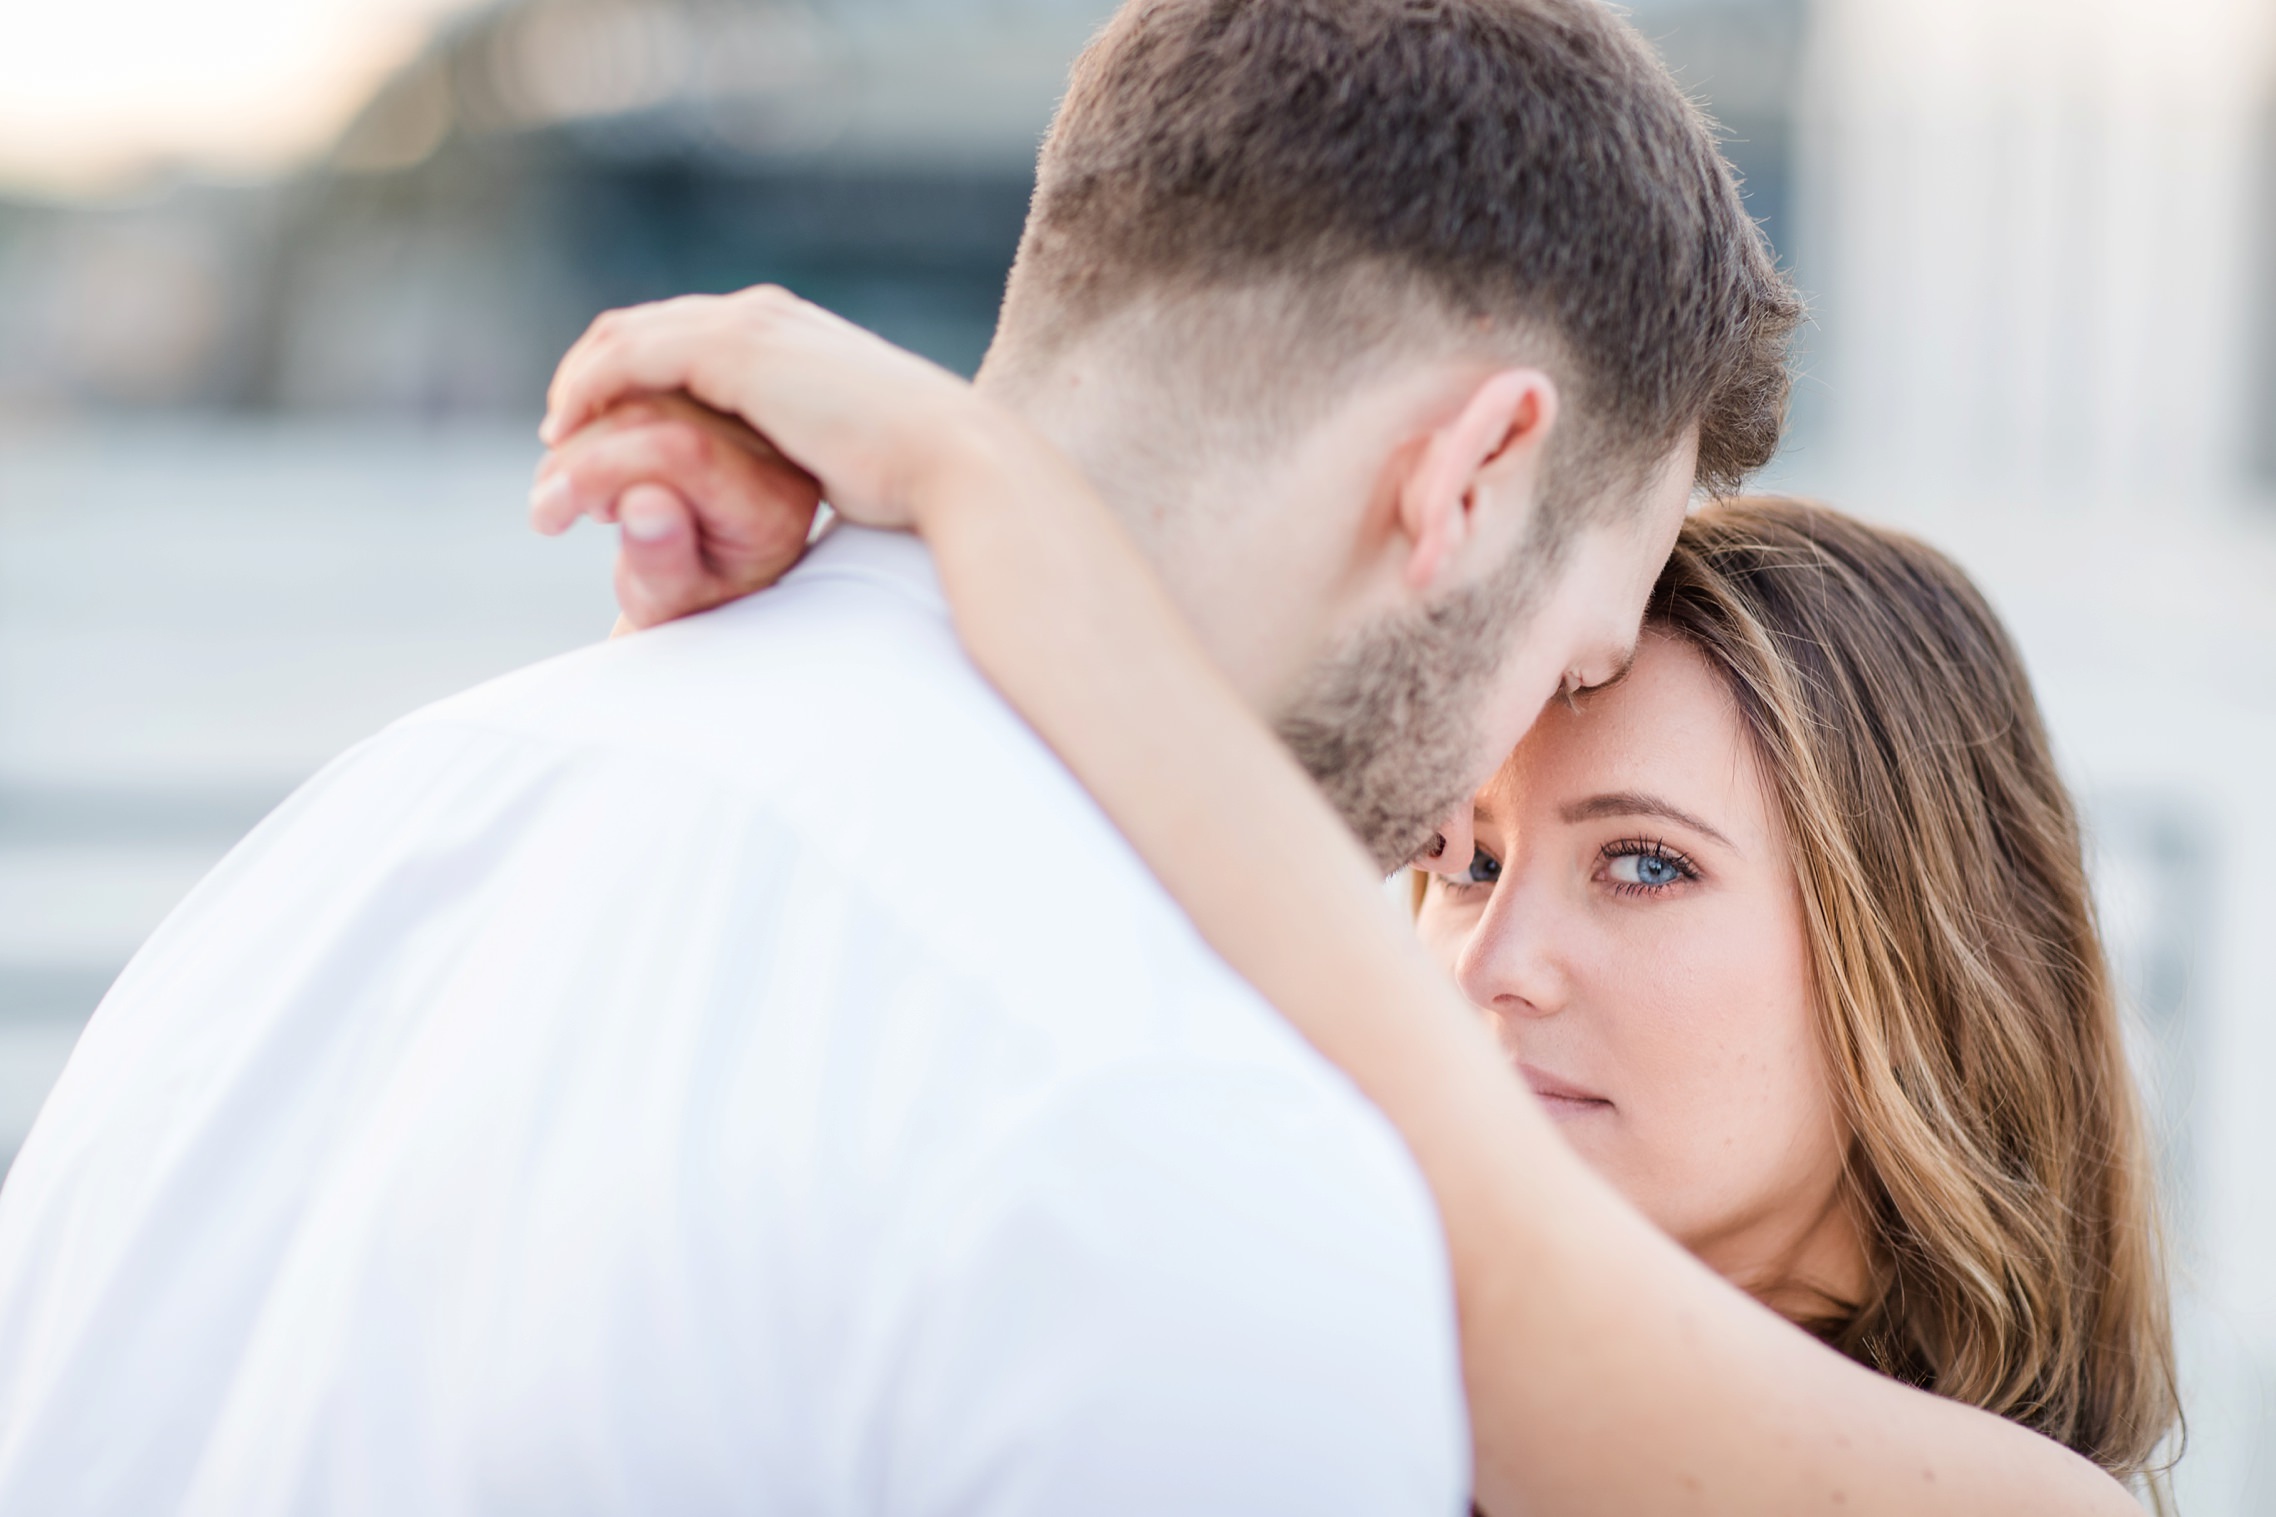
[1244, 213]
[1251, 217]
[737, 1069]
[1348, 184]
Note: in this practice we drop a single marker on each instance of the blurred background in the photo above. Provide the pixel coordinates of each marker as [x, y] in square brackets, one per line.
[281, 282]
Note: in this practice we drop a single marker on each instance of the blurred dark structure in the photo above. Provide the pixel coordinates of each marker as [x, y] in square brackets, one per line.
[542, 160]
[1742, 60]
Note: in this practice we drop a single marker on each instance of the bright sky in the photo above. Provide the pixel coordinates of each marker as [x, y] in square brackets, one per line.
[93, 92]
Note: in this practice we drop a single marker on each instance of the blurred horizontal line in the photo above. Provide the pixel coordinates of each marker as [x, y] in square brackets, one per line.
[91, 814]
[50, 995]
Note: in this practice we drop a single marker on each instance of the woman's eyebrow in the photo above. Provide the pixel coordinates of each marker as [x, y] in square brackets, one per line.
[1635, 803]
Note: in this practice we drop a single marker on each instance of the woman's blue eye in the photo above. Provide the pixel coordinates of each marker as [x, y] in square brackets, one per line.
[1484, 868]
[1647, 866]
[1644, 869]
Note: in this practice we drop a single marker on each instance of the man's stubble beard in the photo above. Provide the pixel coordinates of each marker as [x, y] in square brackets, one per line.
[1387, 723]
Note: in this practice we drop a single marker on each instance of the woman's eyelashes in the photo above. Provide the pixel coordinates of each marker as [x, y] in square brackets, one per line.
[1631, 866]
[1645, 866]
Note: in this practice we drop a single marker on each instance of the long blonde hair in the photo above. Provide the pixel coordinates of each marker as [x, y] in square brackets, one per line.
[1998, 1166]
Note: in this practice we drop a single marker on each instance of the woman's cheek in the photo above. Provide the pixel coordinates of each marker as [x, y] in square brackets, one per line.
[1696, 1037]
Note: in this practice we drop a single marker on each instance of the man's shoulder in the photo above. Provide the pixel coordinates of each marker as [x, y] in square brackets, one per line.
[827, 746]
[837, 717]
[850, 665]
[773, 947]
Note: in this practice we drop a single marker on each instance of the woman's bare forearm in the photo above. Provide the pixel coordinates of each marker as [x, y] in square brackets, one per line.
[1608, 1371]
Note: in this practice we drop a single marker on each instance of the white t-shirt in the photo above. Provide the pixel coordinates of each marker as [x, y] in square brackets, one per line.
[731, 1069]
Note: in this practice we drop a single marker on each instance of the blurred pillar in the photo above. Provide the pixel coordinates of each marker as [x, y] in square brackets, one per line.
[2028, 229]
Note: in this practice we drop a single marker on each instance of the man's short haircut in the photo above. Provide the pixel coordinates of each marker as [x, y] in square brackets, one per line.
[1525, 171]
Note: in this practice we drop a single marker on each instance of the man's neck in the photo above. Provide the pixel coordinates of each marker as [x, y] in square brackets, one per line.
[1224, 580]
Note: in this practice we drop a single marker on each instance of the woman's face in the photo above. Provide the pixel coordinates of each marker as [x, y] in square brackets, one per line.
[1632, 924]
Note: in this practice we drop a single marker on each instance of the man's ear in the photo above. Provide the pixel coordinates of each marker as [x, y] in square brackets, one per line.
[1506, 421]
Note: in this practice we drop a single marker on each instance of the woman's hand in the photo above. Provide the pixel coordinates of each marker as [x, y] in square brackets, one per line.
[869, 421]
[710, 512]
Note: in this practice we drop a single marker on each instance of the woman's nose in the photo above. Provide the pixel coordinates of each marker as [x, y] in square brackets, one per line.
[1509, 966]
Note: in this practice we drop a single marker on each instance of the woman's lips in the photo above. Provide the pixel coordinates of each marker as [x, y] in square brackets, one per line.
[1561, 1098]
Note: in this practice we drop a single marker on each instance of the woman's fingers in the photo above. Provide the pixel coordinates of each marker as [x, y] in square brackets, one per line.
[642, 349]
[865, 417]
[679, 407]
[741, 497]
[554, 503]
[706, 345]
[660, 573]
[708, 512]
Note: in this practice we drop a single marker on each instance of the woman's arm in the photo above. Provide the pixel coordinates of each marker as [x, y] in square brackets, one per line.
[1607, 1370]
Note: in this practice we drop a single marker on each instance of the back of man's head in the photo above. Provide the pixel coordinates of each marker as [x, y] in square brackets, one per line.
[1289, 192]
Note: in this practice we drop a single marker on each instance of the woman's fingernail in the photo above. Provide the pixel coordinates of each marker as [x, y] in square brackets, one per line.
[646, 519]
[549, 495]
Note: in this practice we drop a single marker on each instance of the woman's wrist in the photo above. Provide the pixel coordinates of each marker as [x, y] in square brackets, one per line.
[984, 460]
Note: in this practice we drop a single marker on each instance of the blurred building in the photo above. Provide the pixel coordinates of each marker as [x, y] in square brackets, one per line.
[2036, 243]
[543, 160]
[2037, 238]
[549, 158]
